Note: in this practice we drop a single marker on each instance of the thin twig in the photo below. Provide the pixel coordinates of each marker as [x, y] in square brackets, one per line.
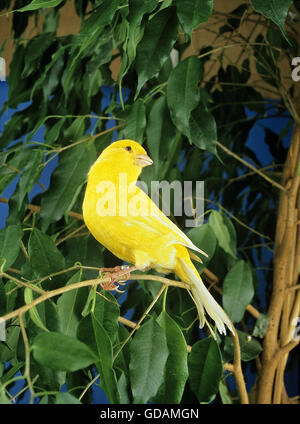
[257, 171]
[21, 283]
[27, 358]
[163, 287]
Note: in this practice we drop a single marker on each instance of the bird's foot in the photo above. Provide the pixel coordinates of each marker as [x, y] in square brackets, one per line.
[114, 275]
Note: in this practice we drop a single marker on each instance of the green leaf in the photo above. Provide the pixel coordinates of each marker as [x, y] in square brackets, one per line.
[10, 239]
[65, 398]
[92, 332]
[61, 352]
[261, 326]
[148, 356]
[203, 130]
[70, 306]
[136, 122]
[66, 181]
[204, 238]
[30, 175]
[192, 13]
[224, 393]
[238, 290]
[176, 369]
[107, 312]
[4, 400]
[33, 313]
[38, 4]
[18, 89]
[2, 298]
[183, 94]
[205, 369]
[101, 16]
[154, 49]
[122, 360]
[161, 134]
[276, 10]
[124, 389]
[137, 9]
[44, 256]
[250, 347]
[224, 231]
[53, 131]
[34, 50]
[76, 129]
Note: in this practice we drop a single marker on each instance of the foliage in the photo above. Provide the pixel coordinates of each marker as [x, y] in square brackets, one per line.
[188, 118]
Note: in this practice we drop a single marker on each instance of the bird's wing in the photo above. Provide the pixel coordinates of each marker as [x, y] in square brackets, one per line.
[158, 224]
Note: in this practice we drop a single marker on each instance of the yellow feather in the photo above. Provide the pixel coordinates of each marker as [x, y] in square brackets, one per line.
[126, 221]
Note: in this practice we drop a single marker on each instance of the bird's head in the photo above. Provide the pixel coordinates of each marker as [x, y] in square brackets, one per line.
[128, 151]
[123, 156]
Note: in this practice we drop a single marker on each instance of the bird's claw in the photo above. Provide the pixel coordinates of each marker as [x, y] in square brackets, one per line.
[110, 285]
[114, 277]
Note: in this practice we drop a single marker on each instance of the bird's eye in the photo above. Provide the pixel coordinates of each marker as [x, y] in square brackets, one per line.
[128, 148]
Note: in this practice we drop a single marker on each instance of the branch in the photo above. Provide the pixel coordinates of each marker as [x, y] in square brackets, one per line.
[257, 171]
[49, 294]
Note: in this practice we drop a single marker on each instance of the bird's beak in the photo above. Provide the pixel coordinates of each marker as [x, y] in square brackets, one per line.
[143, 160]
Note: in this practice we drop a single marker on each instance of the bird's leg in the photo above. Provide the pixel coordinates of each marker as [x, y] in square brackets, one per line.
[114, 276]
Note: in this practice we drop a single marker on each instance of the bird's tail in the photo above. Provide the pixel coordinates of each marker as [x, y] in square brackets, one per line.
[204, 301]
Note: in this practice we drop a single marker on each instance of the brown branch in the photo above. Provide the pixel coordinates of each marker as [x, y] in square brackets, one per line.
[237, 370]
[49, 294]
[270, 381]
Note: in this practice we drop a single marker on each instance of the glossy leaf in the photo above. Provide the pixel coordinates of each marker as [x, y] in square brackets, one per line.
[136, 122]
[38, 4]
[66, 181]
[203, 130]
[70, 305]
[10, 239]
[205, 369]
[192, 13]
[137, 10]
[176, 369]
[238, 290]
[161, 135]
[44, 256]
[92, 332]
[30, 175]
[204, 238]
[4, 400]
[89, 32]
[154, 49]
[33, 312]
[250, 347]
[183, 94]
[65, 398]
[224, 232]
[276, 10]
[148, 356]
[261, 326]
[107, 312]
[61, 352]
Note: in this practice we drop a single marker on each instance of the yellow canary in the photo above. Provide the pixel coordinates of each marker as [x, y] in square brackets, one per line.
[128, 223]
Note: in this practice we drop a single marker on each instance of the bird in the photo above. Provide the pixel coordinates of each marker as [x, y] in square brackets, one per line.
[125, 220]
